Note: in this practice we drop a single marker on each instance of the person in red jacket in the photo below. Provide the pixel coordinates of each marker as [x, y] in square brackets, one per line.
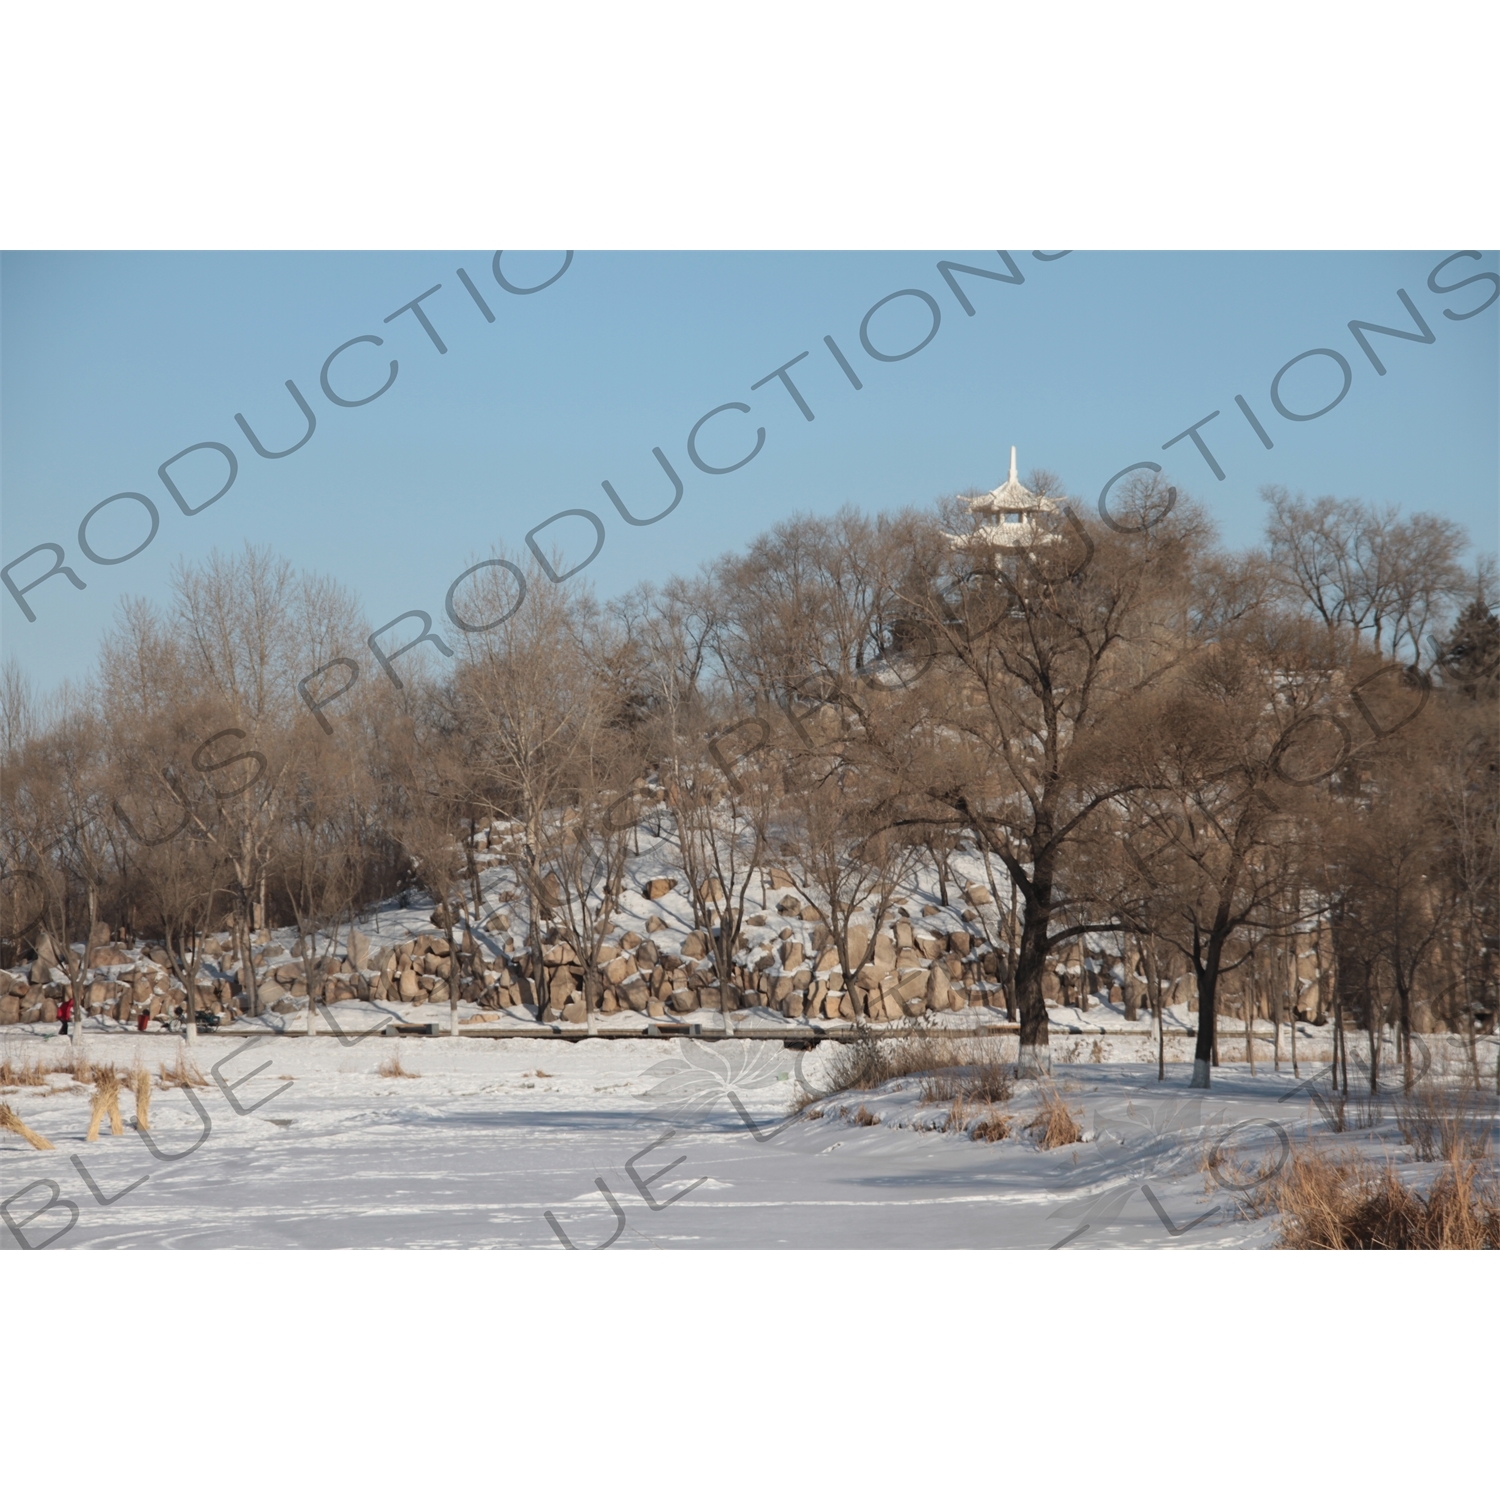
[143, 1020]
[65, 1013]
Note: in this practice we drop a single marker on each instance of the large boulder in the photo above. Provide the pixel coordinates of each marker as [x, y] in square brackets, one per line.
[859, 944]
[911, 984]
[654, 890]
[937, 990]
[930, 945]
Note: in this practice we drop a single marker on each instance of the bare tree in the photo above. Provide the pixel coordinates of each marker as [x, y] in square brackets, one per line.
[831, 838]
[1042, 662]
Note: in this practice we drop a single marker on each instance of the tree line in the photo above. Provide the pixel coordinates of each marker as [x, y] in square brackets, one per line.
[1152, 741]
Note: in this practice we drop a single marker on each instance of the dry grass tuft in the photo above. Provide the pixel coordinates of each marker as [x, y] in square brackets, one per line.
[1445, 1125]
[862, 1116]
[106, 1101]
[24, 1075]
[11, 1121]
[979, 1123]
[1345, 1203]
[984, 1081]
[182, 1072]
[84, 1071]
[993, 1127]
[140, 1086]
[951, 1068]
[1053, 1124]
[392, 1068]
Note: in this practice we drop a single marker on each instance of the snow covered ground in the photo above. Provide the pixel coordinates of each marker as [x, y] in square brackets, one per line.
[636, 1144]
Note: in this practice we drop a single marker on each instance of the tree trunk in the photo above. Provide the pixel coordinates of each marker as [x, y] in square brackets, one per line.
[305, 931]
[1249, 1031]
[1036, 1048]
[1153, 979]
[534, 934]
[1403, 991]
[1206, 971]
[252, 984]
[473, 865]
[1341, 1053]
[1275, 1007]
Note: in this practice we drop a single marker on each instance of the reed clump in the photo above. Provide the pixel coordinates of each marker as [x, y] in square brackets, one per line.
[181, 1072]
[1053, 1124]
[140, 1086]
[106, 1101]
[26, 1074]
[1347, 1203]
[11, 1121]
[1446, 1124]
[392, 1067]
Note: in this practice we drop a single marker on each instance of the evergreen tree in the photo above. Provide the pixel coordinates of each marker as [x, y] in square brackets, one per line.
[1470, 656]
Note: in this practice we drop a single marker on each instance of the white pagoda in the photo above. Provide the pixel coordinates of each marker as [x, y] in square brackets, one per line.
[1011, 519]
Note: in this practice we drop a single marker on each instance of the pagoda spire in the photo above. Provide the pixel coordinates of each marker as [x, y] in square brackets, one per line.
[1012, 464]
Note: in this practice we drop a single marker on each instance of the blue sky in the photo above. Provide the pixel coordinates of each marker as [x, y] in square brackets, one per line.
[112, 363]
